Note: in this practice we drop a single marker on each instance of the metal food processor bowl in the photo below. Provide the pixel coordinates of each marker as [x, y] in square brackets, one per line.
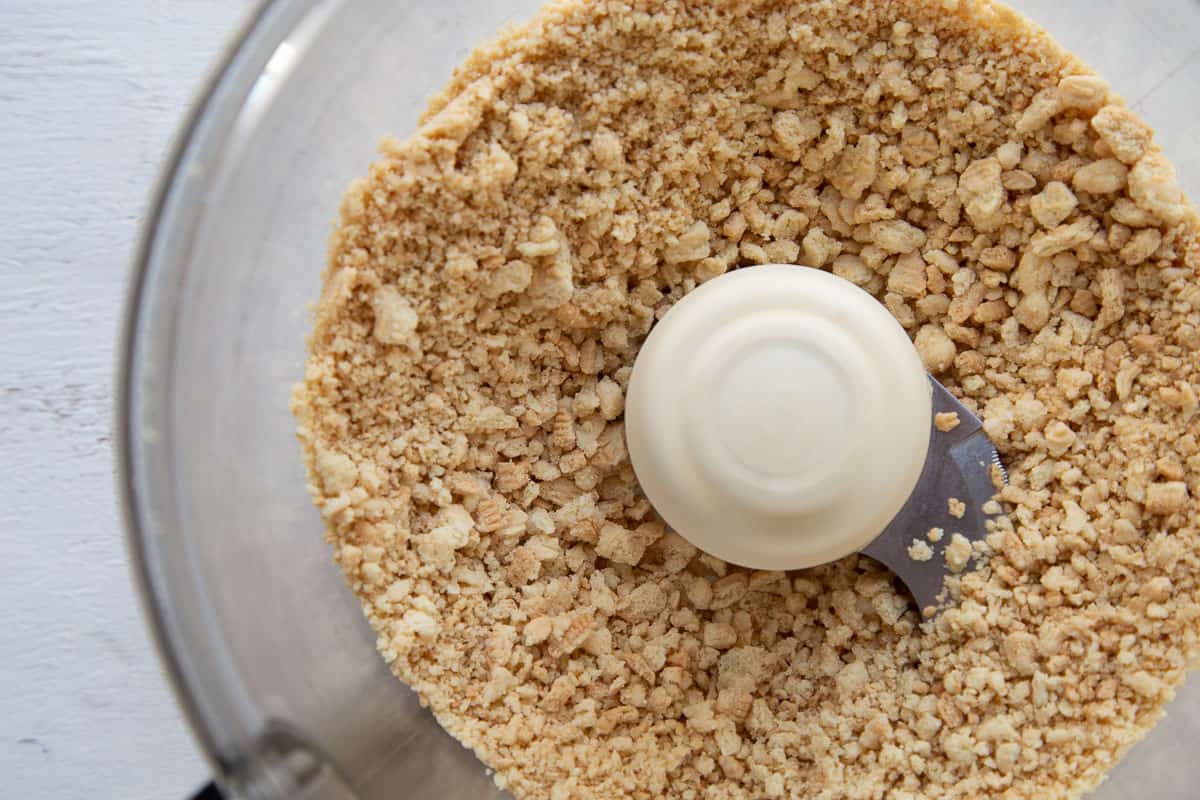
[268, 651]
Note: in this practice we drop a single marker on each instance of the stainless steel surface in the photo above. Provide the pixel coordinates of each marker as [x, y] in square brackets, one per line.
[958, 465]
[259, 632]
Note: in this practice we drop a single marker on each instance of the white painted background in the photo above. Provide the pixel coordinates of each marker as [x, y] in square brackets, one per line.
[91, 92]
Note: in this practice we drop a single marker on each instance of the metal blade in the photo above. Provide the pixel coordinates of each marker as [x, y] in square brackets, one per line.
[960, 465]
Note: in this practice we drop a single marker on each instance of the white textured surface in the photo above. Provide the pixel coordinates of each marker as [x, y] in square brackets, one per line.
[90, 96]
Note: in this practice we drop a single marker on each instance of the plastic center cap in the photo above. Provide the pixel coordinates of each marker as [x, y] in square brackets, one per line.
[786, 436]
[774, 407]
[778, 417]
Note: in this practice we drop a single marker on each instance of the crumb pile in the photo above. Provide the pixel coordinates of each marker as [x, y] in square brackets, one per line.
[490, 282]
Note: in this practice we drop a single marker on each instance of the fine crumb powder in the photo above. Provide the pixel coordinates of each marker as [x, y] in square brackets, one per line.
[489, 284]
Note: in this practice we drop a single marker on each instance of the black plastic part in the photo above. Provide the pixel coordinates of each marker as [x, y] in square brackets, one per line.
[208, 792]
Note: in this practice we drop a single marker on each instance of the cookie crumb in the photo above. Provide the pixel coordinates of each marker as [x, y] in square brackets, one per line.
[490, 282]
[920, 551]
[958, 552]
[1166, 498]
[946, 421]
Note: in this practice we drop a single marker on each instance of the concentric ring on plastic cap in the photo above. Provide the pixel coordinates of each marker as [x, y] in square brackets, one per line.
[778, 417]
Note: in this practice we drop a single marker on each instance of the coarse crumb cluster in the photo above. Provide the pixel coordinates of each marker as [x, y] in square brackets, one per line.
[488, 287]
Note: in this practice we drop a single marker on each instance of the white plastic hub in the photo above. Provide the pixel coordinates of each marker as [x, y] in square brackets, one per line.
[778, 417]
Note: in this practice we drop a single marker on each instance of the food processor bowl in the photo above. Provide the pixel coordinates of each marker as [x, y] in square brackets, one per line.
[268, 650]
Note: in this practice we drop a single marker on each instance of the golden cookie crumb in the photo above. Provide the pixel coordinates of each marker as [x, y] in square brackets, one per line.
[958, 552]
[956, 508]
[492, 277]
[946, 421]
[920, 551]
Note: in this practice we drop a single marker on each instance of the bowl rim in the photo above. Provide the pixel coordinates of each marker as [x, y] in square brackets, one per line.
[170, 215]
[173, 212]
